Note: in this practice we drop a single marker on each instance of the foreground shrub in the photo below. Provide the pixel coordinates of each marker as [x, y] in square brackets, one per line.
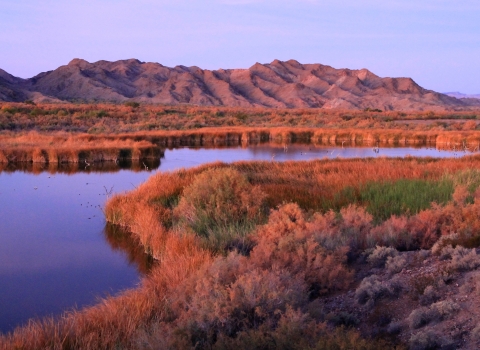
[464, 259]
[435, 313]
[288, 242]
[379, 256]
[430, 295]
[296, 331]
[219, 201]
[393, 232]
[372, 289]
[396, 264]
[429, 340]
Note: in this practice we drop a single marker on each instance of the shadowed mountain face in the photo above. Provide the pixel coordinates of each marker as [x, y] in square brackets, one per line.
[278, 84]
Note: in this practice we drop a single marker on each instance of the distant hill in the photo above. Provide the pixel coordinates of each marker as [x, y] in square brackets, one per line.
[278, 84]
[460, 95]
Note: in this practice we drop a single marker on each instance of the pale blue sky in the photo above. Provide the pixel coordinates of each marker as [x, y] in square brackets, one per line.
[436, 42]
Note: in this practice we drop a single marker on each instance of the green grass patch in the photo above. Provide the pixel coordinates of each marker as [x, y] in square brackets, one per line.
[402, 197]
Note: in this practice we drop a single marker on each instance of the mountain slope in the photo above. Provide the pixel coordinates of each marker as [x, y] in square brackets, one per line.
[278, 84]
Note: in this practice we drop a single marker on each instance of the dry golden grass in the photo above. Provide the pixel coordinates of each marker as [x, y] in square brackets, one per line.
[64, 147]
[110, 118]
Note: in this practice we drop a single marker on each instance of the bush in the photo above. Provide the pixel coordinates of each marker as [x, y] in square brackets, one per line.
[372, 288]
[232, 296]
[393, 232]
[428, 340]
[380, 255]
[442, 243]
[396, 264]
[436, 312]
[464, 259]
[355, 225]
[429, 296]
[220, 204]
[419, 318]
[288, 242]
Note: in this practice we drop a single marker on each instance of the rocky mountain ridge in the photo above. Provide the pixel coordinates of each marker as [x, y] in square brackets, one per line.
[279, 84]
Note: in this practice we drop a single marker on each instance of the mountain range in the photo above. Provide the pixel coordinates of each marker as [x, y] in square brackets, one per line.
[457, 94]
[279, 84]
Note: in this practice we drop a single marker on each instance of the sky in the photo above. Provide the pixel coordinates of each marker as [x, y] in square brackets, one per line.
[436, 42]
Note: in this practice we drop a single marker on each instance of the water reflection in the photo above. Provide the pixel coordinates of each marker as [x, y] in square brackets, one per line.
[121, 240]
[81, 167]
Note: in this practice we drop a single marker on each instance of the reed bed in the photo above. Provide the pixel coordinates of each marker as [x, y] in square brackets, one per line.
[37, 148]
[64, 147]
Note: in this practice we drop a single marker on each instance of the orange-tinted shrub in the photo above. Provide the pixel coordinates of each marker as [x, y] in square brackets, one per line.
[219, 198]
[287, 242]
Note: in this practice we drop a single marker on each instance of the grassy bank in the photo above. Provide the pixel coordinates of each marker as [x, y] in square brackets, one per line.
[332, 254]
[64, 147]
[110, 118]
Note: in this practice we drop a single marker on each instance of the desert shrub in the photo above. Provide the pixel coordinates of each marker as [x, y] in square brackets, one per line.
[287, 242]
[298, 332]
[379, 256]
[220, 202]
[230, 297]
[295, 330]
[393, 232]
[429, 340]
[445, 308]
[421, 282]
[372, 289]
[464, 259]
[444, 241]
[419, 318]
[436, 312]
[446, 253]
[430, 295]
[355, 225]
[395, 264]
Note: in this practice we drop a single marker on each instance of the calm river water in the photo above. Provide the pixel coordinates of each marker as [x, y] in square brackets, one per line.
[56, 251]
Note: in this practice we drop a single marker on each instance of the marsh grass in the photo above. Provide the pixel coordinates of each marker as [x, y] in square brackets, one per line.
[404, 196]
[110, 118]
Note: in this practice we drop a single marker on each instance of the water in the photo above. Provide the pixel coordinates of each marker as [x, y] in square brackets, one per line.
[56, 251]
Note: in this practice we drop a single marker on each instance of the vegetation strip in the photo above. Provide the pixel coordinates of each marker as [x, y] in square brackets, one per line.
[273, 254]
